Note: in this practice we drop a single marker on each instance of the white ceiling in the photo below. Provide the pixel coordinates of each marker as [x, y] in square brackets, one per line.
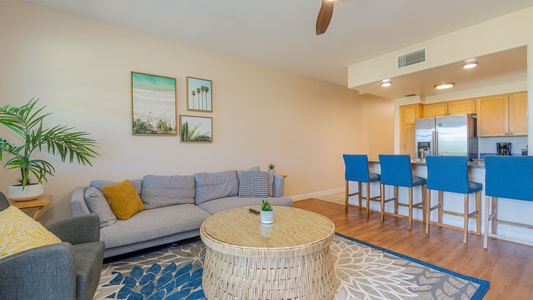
[281, 33]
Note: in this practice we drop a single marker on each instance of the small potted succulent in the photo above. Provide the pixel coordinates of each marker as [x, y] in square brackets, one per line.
[267, 213]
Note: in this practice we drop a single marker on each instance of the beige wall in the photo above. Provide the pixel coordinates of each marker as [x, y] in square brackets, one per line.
[81, 69]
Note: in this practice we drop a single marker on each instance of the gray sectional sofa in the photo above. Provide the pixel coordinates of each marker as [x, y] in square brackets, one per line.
[175, 206]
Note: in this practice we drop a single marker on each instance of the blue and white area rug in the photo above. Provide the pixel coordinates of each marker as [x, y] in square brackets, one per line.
[364, 271]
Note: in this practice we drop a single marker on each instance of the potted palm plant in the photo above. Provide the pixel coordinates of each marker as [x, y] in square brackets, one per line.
[27, 122]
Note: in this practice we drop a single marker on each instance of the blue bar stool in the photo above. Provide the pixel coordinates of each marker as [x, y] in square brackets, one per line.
[396, 171]
[450, 174]
[506, 177]
[356, 169]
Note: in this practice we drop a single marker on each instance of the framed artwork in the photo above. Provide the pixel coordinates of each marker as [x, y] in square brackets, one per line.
[196, 129]
[199, 94]
[153, 102]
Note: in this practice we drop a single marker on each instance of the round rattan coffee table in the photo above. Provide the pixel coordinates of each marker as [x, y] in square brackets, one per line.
[289, 259]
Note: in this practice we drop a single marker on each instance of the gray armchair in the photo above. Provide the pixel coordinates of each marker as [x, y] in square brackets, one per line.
[64, 271]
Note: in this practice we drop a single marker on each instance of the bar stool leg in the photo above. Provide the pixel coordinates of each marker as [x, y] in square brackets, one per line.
[494, 215]
[465, 234]
[428, 210]
[396, 200]
[346, 193]
[359, 188]
[439, 195]
[486, 229]
[410, 208]
[382, 187]
[368, 200]
[424, 199]
[478, 216]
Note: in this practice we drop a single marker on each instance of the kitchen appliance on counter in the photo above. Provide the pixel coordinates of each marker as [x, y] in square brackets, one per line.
[503, 148]
[447, 135]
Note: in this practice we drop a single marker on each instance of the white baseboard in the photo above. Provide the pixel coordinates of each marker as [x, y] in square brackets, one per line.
[317, 194]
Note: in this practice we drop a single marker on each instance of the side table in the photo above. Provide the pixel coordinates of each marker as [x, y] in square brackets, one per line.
[38, 203]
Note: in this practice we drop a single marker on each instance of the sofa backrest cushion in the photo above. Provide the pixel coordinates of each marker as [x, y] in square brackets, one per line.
[160, 191]
[211, 186]
[97, 203]
[99, 184]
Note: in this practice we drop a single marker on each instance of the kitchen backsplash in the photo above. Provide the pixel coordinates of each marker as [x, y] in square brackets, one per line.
[488, 144]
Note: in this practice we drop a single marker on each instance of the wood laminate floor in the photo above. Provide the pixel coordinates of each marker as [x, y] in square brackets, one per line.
[508, 266]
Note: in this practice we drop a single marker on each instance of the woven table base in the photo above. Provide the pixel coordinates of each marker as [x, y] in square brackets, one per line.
[305, 277]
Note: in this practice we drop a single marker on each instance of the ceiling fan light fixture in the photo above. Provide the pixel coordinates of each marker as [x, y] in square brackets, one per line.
[444, 85]
[470, 65]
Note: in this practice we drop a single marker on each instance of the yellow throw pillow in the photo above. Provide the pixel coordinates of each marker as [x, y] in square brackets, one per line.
[19, 232]
[123, 199]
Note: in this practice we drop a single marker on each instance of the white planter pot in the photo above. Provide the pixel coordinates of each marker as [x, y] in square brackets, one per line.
[267, 217]
[30, 192]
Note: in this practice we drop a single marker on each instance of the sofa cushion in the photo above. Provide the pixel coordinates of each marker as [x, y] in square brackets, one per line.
[253, 184]
[123, 199]
[218, 205]
[97, 203]
[19, 232]
[211, 186]
[153, 224]
[160, 191]
[99, 184]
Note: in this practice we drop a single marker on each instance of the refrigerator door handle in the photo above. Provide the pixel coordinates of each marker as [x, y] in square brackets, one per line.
[435, 138]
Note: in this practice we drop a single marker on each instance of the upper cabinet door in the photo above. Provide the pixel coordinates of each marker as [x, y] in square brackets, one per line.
[435, 110]
[518, 114]
[467, 106]
[493, 116]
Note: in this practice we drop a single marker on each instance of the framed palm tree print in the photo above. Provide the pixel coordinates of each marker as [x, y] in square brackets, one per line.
[196, 129]
[199, 94]
[153, 101]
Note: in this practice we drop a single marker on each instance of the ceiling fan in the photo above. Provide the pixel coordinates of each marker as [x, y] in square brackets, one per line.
[324, 16]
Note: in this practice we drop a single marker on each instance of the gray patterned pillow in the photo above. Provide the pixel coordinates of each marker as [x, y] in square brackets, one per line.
[98, 204]
[253, 184]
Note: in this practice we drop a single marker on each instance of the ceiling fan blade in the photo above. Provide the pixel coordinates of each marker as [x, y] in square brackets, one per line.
[324, 16]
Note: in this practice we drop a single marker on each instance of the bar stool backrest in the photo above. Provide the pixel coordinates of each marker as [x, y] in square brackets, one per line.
[396, 170]
[356, 167]
[447, 173]
[509, 177]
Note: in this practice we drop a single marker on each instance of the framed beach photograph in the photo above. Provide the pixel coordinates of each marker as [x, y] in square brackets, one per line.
[199, 94]
[153, 102]
[196, 129]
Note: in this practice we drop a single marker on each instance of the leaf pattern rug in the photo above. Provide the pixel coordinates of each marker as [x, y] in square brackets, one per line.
[364, 271]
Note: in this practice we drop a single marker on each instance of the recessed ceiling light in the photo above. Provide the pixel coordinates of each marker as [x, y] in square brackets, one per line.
[444, 85]
[386, 83]
[470, 65]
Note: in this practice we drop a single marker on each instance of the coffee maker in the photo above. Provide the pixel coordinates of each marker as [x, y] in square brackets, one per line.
[503, 148]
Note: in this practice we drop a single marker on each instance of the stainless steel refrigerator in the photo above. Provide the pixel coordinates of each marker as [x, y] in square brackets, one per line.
[446, 135]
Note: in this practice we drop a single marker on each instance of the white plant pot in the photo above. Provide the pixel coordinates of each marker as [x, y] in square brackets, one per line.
[30, 192]
[267, 217]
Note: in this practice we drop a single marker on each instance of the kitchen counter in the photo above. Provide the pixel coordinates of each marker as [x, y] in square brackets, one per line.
[476, 164]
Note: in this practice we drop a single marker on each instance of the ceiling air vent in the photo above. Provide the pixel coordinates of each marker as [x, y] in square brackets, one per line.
[412, 58]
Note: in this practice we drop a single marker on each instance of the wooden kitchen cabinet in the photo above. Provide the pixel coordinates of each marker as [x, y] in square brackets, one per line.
[435, 109]
[502, 115]
[408, 115]
[466, 106]
[518, 113]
